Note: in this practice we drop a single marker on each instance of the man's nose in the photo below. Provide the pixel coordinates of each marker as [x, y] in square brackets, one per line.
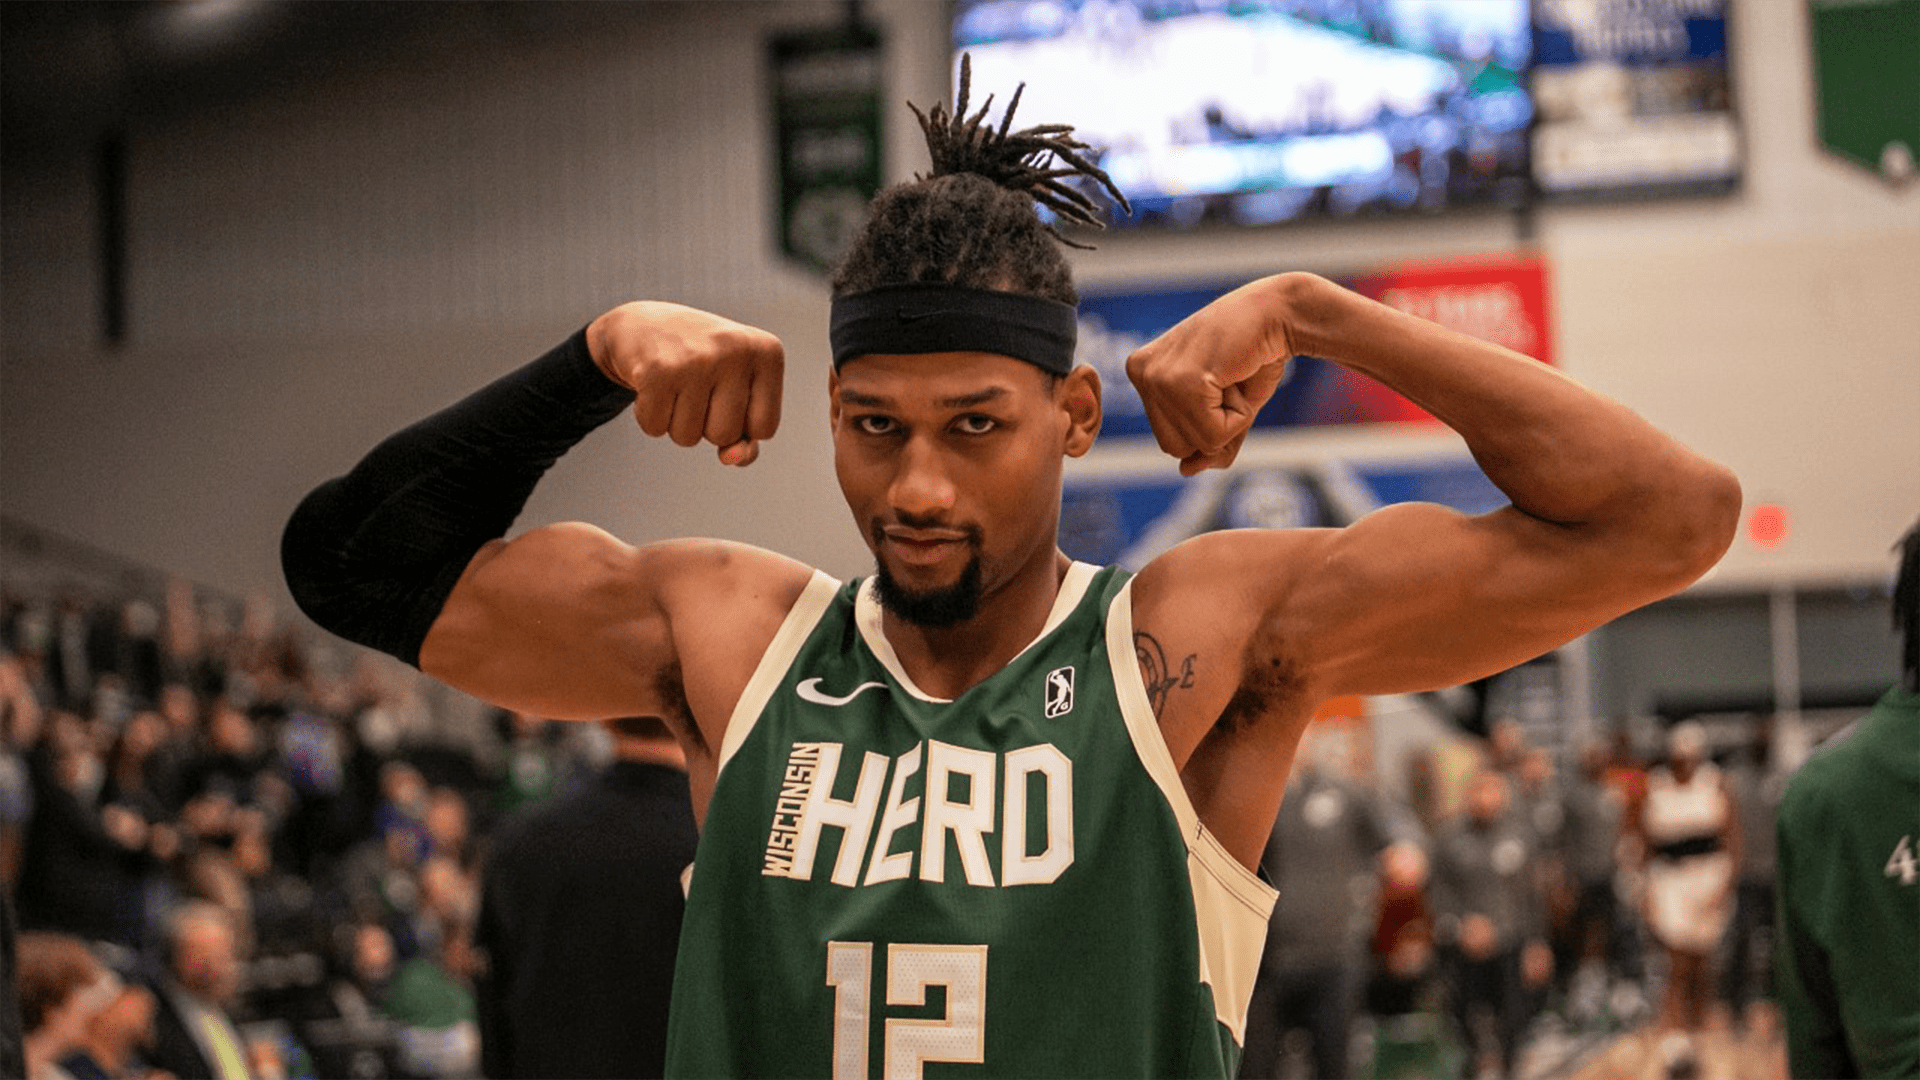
[922, 485]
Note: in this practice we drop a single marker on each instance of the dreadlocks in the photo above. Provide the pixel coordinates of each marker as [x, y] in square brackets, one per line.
[971, 221]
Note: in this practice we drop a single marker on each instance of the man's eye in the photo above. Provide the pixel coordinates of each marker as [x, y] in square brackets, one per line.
[975, 425]
[873, 425]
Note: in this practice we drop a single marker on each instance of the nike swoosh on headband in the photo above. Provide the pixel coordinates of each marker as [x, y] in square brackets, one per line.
[906, 316]
[810, 691]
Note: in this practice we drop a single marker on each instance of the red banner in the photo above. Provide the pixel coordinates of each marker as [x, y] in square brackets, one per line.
[1501, 300]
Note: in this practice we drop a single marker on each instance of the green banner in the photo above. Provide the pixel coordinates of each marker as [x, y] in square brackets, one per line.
[826, 109]
[1866, 69]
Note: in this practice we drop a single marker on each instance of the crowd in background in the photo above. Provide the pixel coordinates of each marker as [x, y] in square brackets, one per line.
[227, 859]
[1509, 932]
[273, 872]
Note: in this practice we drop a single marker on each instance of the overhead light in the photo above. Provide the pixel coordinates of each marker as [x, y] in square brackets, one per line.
[200, 18]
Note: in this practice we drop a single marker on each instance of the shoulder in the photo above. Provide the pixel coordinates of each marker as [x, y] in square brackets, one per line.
[1825, 772]
[1222, 586]
[1211, 561]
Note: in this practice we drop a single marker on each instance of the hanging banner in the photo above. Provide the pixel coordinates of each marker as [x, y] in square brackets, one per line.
[827, 150]
[1500, 299]
[1866, 74]
[1632, 96]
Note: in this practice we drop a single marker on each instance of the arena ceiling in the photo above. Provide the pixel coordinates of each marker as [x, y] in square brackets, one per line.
[76, 70]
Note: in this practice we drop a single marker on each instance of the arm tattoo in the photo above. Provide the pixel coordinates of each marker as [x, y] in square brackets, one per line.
[1161, 677]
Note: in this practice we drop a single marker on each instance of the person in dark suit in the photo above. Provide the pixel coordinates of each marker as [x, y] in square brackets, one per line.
[194, 1032]
[580, 911]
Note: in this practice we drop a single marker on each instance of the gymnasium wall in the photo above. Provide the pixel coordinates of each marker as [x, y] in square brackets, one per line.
[309, 270]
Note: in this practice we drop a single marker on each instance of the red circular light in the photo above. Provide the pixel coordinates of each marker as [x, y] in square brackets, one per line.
[1767, 525]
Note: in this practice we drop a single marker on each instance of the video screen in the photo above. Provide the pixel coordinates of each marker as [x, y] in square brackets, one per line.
[1258, 112]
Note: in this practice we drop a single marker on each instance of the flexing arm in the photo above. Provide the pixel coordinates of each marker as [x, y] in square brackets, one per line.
[404, 554]
[1607, 512]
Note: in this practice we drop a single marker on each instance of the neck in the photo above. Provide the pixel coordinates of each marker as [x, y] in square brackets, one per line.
[950, 660]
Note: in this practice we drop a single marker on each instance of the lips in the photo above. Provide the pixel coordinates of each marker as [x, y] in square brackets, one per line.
[915, 546]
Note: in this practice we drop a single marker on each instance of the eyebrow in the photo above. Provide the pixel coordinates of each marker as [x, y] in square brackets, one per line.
[963, 401]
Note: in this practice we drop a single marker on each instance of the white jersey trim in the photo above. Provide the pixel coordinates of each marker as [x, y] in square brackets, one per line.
[1231, 904]
[800, 621]
[867, 616]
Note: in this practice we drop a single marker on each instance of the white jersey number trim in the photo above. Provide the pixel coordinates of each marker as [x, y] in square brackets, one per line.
[960, 1036]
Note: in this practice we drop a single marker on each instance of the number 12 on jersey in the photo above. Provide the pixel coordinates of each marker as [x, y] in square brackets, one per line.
[960, 1036]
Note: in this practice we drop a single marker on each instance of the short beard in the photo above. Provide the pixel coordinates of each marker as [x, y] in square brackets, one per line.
[934, 610]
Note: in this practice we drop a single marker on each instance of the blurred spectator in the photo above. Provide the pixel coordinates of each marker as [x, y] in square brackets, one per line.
[1539, 802]
[234, 768]
[179, 709]
[121, 1033]
[20, 722]
[1506, 748]
[430, 995]
[1626, 774]
[447, 825]
[1755, 787]
[403, 809]
[532, 770]
[129, 773]
[1692, 848]
[68, 668]
[1406, 993]
[1403, 977]
[289, 939]
[83, 864]
[1489, 920]
[61, 986]
[1592, 950]
[194, 1031]
[580, 915]
[1321, 857]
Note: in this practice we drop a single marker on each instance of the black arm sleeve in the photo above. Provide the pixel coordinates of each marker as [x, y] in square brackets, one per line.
[373, 554]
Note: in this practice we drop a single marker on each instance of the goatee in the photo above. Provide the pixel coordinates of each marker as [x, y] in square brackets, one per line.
[936, 609]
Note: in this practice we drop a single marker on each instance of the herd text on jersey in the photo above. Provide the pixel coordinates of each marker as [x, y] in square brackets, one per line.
[806, 806]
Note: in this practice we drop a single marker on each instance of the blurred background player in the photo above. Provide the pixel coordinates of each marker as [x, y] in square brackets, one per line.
[1322, 859]
[580, 915]
[1691, 844]
[1490, 922]
[1848, 959]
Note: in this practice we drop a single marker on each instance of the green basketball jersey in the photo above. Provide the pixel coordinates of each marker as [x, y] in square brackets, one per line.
[1011, 883]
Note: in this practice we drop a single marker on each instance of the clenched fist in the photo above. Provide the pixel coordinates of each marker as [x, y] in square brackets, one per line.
[695, 375]
[1204, 380]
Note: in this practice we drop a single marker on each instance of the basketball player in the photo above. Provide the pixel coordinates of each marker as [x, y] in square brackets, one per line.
[1848, 889]
[988, 806]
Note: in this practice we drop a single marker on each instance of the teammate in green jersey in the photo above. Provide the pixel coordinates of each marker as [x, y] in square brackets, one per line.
[1848, 886]
[947, 811]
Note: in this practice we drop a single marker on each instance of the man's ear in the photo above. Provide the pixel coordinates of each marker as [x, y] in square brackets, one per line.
[833, 399]
[1079, 398]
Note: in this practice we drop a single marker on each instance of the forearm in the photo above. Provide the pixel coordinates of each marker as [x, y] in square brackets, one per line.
[373, 554]
[1560, 452]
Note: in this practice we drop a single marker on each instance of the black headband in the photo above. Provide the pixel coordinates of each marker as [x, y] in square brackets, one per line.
[928, 317]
